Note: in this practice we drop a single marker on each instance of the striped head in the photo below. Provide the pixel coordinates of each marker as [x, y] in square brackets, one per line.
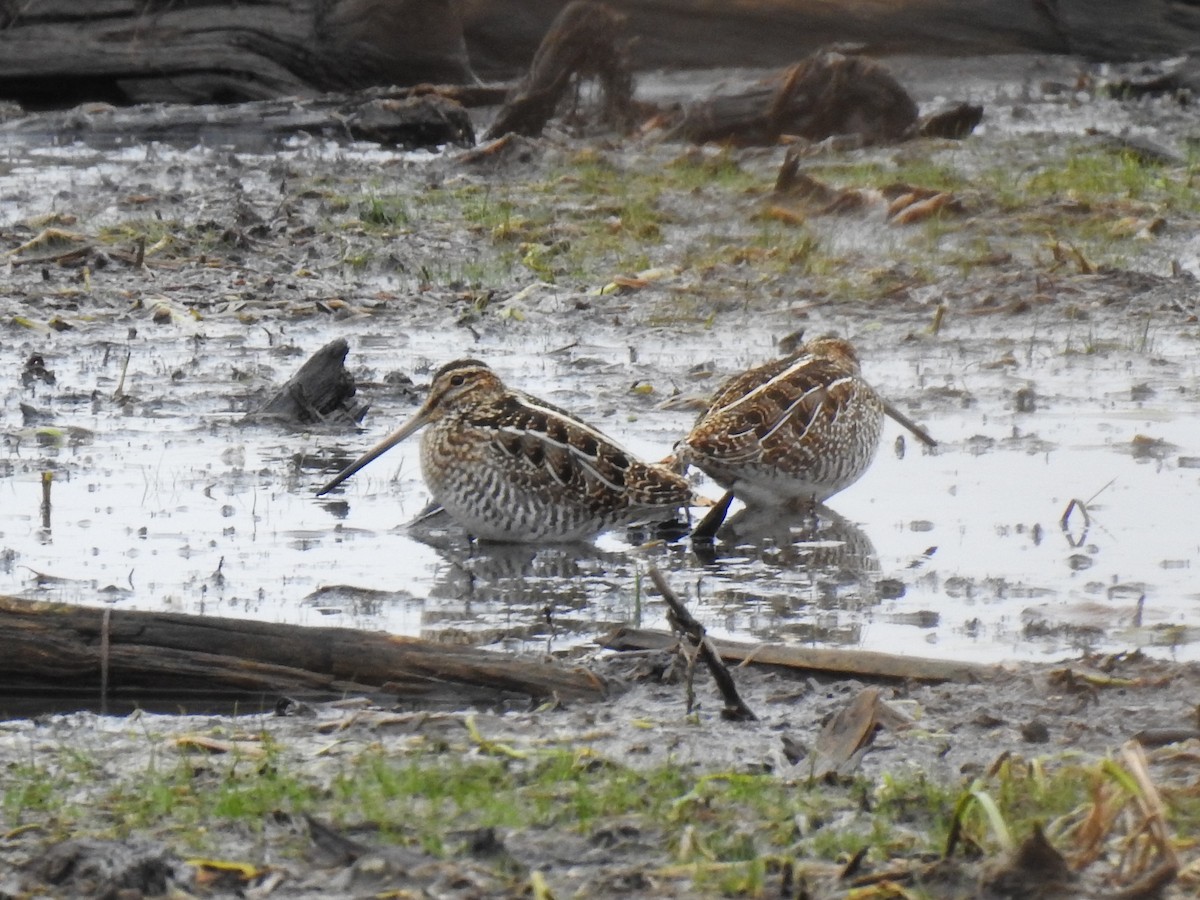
[458, 385]
[463, 385]
[836, 350]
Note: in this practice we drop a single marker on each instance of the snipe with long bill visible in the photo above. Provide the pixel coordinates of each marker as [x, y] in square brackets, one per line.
[510, 467]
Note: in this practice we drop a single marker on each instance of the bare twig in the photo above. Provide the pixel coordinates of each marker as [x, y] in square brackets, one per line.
[939, 316]
[119, 393]
[1110, 483]
[682, 620]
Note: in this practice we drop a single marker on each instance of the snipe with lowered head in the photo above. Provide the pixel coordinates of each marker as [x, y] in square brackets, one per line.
[792, 432]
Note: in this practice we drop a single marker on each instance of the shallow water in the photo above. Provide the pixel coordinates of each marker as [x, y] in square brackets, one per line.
[957, 553]
[165, 501]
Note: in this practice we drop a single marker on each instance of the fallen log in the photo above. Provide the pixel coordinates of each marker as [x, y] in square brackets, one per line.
[826, 95]
[1180, 78]
[322, 389]
[401, 118]
[142, 51]
[64, 656]
[858, 663]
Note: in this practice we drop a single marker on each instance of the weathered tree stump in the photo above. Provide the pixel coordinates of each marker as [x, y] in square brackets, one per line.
[823, 96]
[586, 40]
[322, 389]
[58, 655]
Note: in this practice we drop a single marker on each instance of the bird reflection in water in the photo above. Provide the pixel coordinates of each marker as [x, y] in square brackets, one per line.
[798, 577]
[489, 592]
[823, 572]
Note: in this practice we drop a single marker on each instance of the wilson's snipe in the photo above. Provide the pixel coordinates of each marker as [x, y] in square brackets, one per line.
[510, 467]
[792, 432]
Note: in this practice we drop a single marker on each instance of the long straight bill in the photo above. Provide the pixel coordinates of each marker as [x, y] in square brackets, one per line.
[377, 451]
[905, 422]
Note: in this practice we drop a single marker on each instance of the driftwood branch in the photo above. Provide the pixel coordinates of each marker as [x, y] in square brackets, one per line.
[54, 655]
[682, 619]
[861, 663]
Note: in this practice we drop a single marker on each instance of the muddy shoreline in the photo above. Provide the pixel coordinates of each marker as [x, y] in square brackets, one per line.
[1063, 719]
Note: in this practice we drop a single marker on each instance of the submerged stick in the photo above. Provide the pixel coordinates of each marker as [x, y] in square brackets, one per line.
[47, 483]
[706, 531]
[682, 619]
[119, 393]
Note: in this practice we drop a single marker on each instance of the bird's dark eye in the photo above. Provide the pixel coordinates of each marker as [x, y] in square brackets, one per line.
[457, 380]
